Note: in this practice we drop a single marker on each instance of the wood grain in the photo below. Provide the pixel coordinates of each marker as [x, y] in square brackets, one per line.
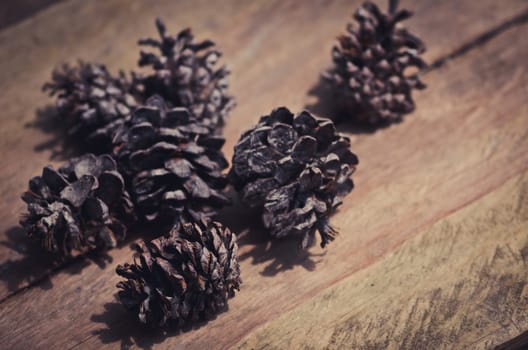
[272, 34]
[467, 138]
[440, 290]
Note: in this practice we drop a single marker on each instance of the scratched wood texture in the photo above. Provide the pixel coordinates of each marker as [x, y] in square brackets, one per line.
[434, 239]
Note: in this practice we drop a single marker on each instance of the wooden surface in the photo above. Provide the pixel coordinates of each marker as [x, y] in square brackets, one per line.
[13, 11]
[433, 249]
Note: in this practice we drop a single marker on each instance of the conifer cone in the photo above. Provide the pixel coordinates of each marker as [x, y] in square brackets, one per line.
[184, 74]
[370, 76]
[184, 277]
[91, 102]
[297, 170]
[173, 164]
[80, 207]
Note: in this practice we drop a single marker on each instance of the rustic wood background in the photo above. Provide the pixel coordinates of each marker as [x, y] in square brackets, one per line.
[433, 249]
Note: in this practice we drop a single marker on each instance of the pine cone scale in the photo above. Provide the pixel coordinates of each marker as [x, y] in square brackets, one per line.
[174, 165]
[184, 74]
[192, 280]
[67, 212]
[296, 169]
[91, 102]
[371, 61]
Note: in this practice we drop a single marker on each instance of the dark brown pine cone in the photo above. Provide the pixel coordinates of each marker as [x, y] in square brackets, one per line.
[184, 74]
[184, 277]
[370, 76]
[91, 102]
[297, 169]
[173, 164]
[78, 208]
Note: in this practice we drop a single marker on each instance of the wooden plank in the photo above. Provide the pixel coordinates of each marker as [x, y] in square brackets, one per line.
[466, 139]
[31, 138]
[263, 41]
[460, 285]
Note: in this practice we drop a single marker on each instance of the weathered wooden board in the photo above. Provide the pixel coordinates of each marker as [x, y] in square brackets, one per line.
[467, 138]
[462, 284]
[266, 43]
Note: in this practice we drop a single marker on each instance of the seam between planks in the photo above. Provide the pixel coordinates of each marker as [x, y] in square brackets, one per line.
[478, 41]
[420, 229]
[81, 342]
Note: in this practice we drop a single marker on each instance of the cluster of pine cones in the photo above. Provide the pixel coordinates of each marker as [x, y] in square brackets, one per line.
[156, 159]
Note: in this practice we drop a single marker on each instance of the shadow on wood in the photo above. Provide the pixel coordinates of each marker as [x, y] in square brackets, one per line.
[518, 343]
[123, 326]
[25, 271]
[59, 144]
[36, 265]
[325, 106]
[276, 255]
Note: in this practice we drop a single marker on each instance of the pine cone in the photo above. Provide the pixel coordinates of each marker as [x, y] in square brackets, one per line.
[185, 277]
[369, 75]
[78, 208]
[297, 169]
[184, 74]
[173, 164]
[91, 102]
